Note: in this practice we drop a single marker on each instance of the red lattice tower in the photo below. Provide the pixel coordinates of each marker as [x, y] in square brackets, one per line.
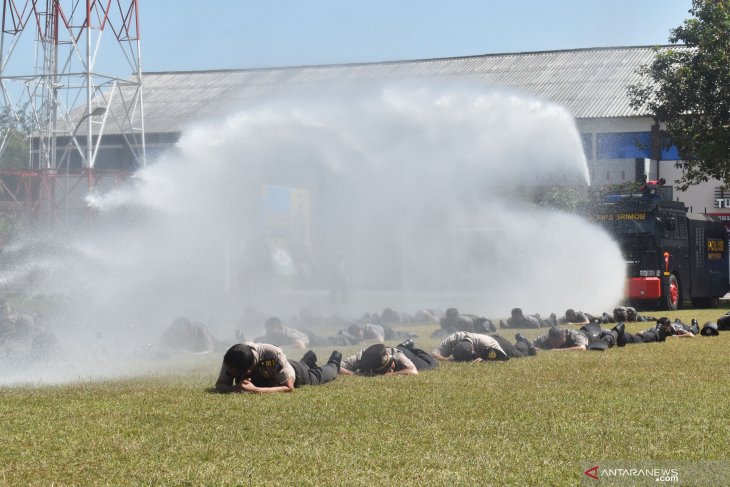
[72, 68]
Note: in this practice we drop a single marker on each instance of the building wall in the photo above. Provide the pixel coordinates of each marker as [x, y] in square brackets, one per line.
[613, 145]
[710, 197]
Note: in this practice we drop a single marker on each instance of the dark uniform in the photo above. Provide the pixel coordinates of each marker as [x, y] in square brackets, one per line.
[517, 350]
[482, 324]
[647, 336]
[627, 313]
[390, 317]
[604, 318]
[371, 331]
[342, 338]
[723, 322]
[272, 369]
[403, 357]
[573, 316]
[284, 337]
[454, 322]
[486, 347]
[572, 338]
[308, 374]
[520, 320]
[420, 358]
[663, 329]
[600, 339]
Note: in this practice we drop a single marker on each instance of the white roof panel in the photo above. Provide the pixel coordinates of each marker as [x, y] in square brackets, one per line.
[590, 83]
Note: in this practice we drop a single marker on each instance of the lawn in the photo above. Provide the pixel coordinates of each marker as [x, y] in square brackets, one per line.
[536, 421]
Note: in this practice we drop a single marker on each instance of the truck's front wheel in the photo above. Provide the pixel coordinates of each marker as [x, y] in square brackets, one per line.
[672, 296]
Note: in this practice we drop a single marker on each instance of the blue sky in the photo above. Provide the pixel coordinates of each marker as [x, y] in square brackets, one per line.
[231, 34]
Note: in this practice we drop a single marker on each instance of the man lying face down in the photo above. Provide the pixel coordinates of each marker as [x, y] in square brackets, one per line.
[261, 367]
[477, 347]
[378, 359]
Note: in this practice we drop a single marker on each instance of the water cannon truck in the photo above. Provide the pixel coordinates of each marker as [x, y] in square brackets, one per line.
[672, 256]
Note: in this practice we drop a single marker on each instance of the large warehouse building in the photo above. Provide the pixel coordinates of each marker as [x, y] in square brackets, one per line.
[590, 83]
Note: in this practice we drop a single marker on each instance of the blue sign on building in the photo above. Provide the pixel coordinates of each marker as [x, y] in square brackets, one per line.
[625, 145]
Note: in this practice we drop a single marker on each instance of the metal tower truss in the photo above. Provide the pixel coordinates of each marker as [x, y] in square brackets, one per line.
[47, 195]
[72, 68]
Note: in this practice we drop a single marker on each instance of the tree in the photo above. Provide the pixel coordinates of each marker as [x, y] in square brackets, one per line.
[14, 131]
[688, 92]
[567, 198]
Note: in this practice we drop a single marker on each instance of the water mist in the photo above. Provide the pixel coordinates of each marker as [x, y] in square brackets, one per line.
[423, 189]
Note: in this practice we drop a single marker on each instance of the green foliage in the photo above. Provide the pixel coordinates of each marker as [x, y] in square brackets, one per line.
[15, 130]
[627, 187]
[534, 421]
[562, 197]
[688, 92]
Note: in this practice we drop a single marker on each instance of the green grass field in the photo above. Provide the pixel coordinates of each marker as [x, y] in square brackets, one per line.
[536, 421]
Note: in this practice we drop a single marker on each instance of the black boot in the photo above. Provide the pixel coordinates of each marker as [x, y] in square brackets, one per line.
[407, 344]
[620, 336]
[695, 326]
[335, 358]
[611, 337]
[521, 338]
[530, 347]
[310, 358]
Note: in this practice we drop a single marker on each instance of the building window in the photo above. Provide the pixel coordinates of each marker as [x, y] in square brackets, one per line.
[623, 145]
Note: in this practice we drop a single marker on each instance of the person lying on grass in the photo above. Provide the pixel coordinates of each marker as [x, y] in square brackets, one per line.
[261, 367]
[664, 329]
[627, 313]
[562, 339]
[520, 320]
[454, 321]
[403, 359]
[463, 346]
[284, 336]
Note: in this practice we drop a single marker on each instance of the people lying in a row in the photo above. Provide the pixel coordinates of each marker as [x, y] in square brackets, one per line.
[376, 328]
[621, 314]
[592, 336]
[286, 336]
[261, 368]
[406, 359]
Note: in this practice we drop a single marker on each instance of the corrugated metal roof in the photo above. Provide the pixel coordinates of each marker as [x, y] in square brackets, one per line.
[590, 83]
